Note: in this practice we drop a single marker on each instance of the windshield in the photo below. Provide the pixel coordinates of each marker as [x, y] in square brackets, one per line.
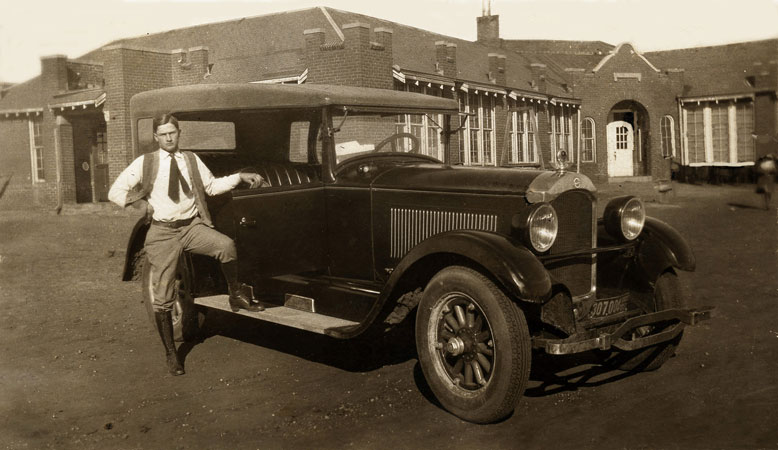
[360, 133]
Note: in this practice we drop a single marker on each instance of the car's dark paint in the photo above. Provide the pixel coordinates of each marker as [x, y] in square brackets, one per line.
[279, 231]
[516, 268]
[346, 229]
[134, 250]
[661, 248]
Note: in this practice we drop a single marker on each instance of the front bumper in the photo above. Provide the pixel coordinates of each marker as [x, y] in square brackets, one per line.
[597, 339]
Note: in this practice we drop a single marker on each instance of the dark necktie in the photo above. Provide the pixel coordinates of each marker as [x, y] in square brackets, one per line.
[175, 179]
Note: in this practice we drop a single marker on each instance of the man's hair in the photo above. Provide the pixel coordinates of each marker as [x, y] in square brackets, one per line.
[164, 119]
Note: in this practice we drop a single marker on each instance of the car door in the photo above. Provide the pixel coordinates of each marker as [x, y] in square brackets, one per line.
[280, 228]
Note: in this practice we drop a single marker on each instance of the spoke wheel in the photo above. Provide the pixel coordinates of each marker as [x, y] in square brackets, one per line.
[463, 340]
[473, 345]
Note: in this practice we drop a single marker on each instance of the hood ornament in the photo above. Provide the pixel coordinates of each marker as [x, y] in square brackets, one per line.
[562, 162]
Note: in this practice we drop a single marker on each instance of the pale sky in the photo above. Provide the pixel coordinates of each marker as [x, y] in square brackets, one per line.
[30, 29]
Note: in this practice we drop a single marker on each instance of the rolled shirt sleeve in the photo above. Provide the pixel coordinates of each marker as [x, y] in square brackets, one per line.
[128, 179]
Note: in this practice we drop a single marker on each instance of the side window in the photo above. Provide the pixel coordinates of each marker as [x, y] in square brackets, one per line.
[298, 142]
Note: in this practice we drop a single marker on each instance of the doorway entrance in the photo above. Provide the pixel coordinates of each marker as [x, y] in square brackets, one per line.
[621, 145]
[627, 139]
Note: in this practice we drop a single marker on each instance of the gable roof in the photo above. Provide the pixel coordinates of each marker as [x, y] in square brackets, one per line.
[723, 69]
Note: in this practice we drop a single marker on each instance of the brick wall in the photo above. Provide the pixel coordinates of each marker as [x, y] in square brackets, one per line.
[188, 67]
[84, 75]
[357, 61]
[128, 71]
[617, 81]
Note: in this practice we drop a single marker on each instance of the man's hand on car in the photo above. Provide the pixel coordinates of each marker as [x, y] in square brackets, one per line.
[253, 180]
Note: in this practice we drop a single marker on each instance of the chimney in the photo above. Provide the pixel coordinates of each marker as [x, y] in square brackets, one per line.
[488, 29]
[54, 73]
[538, 76]
[497, 69]
[446, 59]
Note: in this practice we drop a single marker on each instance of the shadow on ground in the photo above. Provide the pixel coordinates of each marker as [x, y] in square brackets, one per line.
[357, 355]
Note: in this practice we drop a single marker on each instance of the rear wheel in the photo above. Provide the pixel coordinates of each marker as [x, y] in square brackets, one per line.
[473, 345]
[668, 294]
[188, 318]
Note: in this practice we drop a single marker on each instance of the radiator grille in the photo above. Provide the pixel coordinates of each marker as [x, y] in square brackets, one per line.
[411, 226]
[575, 211]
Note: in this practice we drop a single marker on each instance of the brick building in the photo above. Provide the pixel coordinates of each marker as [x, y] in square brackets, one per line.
[65, 135]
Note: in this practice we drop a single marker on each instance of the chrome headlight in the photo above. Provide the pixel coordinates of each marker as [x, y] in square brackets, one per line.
[539, 226]
[624, 218]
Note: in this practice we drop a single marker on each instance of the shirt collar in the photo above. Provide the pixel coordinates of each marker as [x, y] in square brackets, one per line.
[176, 154]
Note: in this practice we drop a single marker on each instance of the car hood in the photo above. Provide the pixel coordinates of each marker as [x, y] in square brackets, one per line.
[536, 185]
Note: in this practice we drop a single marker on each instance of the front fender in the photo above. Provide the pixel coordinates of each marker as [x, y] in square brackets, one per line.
[662, 247]
[514, 266]
[135, 249]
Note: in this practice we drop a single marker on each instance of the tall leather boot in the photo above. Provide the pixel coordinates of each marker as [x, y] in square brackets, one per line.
[241, 296]
[164, 322]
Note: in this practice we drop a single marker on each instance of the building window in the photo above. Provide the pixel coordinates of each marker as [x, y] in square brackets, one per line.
[561, 131]
[667, 132]
[744, 120]
[36, 151]
[425, 127]
[719, 121]
[522, 130]
[719, 133]
[695, 133]
[588, 144]
[477, 142]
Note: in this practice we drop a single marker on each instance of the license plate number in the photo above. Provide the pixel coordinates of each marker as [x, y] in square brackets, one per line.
[609, 307]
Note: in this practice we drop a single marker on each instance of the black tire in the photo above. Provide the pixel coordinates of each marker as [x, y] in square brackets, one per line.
[188, 318]
[668, 294]
[466, 325]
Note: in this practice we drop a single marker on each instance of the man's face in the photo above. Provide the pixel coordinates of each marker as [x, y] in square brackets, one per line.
[167, 137]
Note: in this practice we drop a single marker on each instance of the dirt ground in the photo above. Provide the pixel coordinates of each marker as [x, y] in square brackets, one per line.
[81, 367]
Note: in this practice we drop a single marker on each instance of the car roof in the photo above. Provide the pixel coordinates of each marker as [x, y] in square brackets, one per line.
[214, 97]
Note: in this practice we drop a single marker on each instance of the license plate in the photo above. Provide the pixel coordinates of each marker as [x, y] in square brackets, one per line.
[609, 307]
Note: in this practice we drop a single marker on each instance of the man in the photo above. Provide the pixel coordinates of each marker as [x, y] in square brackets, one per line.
[174, 185]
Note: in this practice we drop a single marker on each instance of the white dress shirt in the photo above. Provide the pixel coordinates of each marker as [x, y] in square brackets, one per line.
[166, 209]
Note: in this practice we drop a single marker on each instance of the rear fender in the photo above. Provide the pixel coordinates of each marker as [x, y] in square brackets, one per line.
[662, 247]
[134, 254]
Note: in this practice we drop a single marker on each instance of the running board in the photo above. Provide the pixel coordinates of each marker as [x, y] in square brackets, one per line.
[294, 318]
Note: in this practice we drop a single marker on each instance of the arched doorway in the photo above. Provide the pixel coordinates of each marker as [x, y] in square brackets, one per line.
[628, 139]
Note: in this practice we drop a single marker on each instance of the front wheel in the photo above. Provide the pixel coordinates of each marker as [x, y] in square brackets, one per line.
[188, 318]
[473, 344]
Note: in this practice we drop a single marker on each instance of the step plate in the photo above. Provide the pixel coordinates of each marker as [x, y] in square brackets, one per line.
[281, 315]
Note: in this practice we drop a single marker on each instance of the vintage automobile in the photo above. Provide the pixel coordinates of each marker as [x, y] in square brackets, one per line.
[364, 226]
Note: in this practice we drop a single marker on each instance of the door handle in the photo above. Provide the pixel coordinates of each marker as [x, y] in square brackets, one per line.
[248, 223]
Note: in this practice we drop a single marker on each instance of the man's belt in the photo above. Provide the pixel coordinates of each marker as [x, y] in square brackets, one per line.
[174, 223]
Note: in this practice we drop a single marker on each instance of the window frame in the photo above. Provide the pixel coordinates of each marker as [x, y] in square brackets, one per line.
[428, 126]
[562, 132]
[480, 128]
[37, 168]
[523, 136]
[667, 136]
[585, 139]
[731, 133]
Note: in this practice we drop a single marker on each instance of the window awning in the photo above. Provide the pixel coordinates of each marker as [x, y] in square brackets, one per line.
[715, 98]
[26, 112]
[78, 100]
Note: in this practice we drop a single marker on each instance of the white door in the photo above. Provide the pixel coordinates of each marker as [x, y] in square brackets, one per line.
[620, 147]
